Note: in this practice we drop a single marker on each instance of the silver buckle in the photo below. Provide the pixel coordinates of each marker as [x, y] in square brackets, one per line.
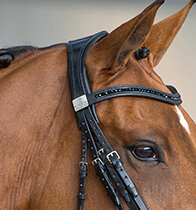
[83, 164]
[95, 161]
[112, 154]
[80, 103]
[101, 150]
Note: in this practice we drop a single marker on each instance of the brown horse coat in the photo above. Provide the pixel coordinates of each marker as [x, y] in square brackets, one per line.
[40, 143]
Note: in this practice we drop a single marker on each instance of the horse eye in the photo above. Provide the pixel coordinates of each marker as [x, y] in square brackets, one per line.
[144, 153]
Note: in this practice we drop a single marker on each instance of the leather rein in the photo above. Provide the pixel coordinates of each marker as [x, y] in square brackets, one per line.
[106, 161]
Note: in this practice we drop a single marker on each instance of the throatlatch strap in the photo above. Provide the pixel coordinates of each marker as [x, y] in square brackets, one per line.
[106, 161]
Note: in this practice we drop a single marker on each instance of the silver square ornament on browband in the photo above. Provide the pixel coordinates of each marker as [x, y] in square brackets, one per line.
[80, 103]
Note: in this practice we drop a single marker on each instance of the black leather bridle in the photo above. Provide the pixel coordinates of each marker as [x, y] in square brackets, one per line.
[106, 161]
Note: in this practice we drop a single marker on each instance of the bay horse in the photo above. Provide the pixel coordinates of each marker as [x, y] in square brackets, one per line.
[40, 142]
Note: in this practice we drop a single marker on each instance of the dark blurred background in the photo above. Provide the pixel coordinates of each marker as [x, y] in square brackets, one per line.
[46, 22]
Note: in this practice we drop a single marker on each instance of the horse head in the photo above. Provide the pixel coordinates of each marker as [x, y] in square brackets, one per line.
[155, 140]
[40, 142]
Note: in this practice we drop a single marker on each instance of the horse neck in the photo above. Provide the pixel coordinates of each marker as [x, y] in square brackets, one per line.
[38, 119]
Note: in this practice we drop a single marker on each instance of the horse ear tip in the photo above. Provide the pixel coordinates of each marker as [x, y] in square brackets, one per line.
[157, 3]
[160, 1]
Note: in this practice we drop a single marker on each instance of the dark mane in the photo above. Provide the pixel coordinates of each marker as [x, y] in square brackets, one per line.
[17, 51]
[7, 55]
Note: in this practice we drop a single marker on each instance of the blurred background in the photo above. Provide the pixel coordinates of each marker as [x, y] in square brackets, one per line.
[46, 22]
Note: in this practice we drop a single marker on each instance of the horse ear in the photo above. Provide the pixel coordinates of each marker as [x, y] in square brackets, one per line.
[113, 50]
[163, 33]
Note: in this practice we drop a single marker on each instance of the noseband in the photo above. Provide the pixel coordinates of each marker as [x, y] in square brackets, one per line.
[106, 161]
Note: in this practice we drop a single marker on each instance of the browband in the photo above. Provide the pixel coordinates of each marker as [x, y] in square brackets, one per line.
[126, 90]
[106, 161]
